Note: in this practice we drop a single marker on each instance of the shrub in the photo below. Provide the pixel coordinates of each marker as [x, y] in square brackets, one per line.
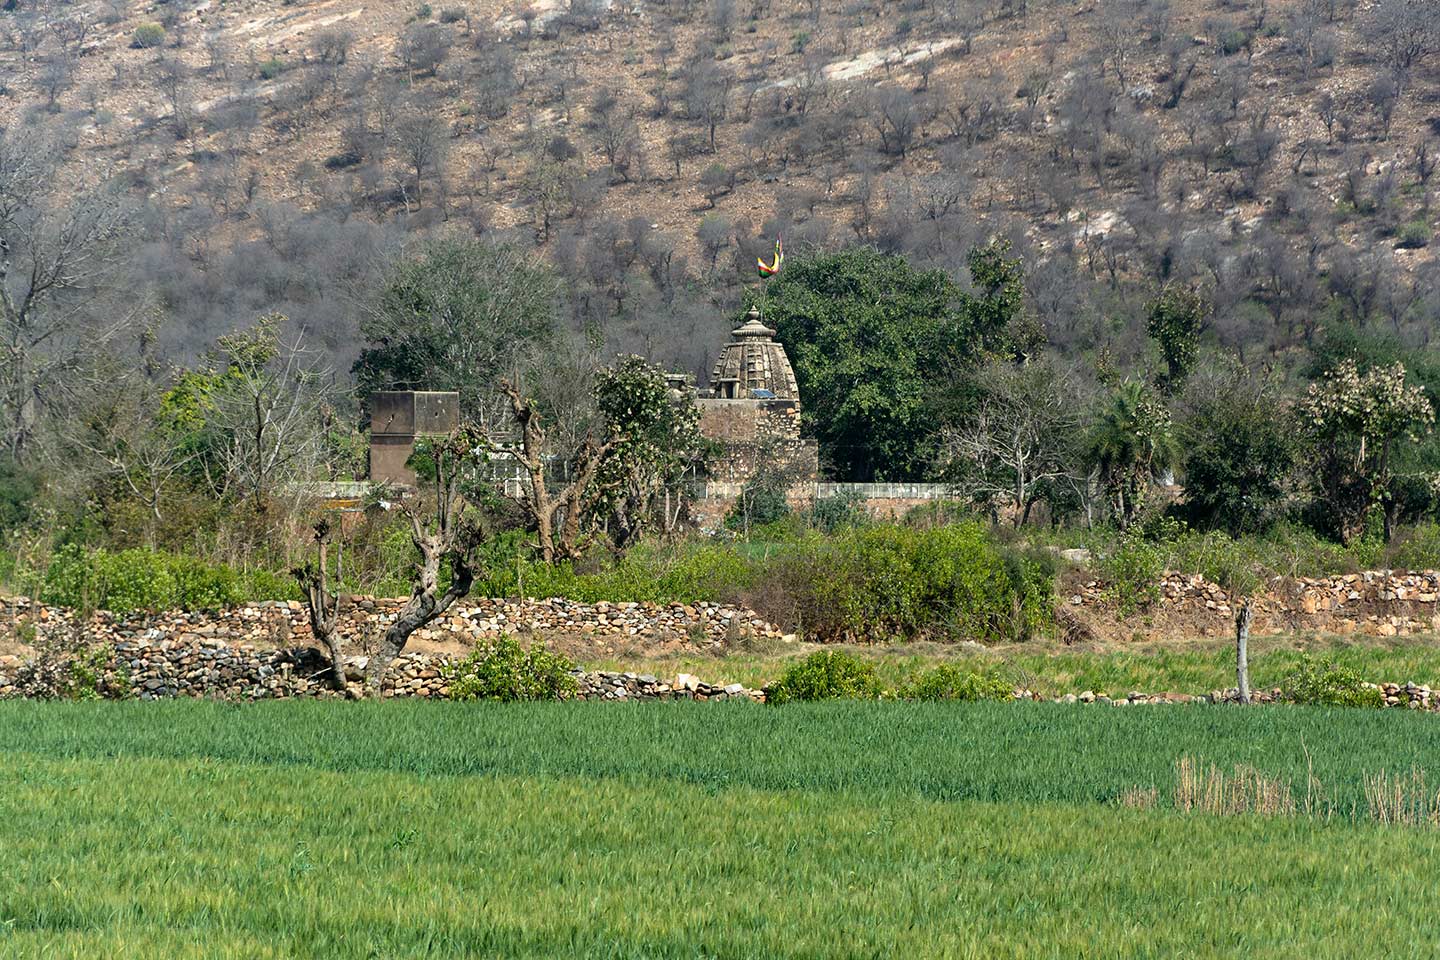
[453, 14]
[1132, 573]
[883, 581]
[841, 510]
[270, 69]
[343, 159]
[1233, 41]
[1326, 684]
[147, 36]
[504, 670]
[18, 489]
[949, 682]
[761, 501]
[1414, 235]
[827, 675]
[136, 580]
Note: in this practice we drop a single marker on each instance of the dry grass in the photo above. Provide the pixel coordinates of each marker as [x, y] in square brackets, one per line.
[1406, 800]
[1212, 791]
[1402, 800]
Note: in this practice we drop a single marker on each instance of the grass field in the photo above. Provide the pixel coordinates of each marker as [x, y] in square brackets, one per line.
[691, 830]
[1193, 666]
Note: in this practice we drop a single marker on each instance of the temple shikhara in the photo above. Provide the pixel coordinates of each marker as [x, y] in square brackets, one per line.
[752, 409]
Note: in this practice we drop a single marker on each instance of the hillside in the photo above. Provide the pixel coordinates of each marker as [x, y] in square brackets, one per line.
[1282, 153]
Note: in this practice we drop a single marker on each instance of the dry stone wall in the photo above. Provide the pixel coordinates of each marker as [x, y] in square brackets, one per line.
[280, 623]
[1375, 603]
[211, 669]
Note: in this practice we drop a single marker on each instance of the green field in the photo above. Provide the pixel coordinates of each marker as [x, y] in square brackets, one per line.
[311, 829]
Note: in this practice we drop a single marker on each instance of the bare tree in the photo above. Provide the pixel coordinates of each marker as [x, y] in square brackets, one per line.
[556, 515]
[422, 140]
[1403, 32]
[707, 95]
[1019, 441]
[265, 406]
[56, 259]
[322, 600]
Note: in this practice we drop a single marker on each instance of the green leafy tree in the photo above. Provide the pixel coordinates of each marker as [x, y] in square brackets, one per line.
[1357, 422]
[1177, 316]
[658, 440]
[1239, 450]
[460, 315]
[874, 341]
[1132, 444]
[253, 414]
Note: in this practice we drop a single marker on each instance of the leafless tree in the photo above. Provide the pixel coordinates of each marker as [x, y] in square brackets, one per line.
[56, 261]
[1019, 440]
[266, 407]
[1404, 32]
[556, 515]
[422, 141]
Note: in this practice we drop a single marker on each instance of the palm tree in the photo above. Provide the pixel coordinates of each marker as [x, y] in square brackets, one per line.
[1132, 444]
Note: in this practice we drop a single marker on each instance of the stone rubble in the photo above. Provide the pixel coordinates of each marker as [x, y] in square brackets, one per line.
[207, 667]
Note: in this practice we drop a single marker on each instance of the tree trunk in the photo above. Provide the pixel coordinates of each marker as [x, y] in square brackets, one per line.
[1242, 654]
[323, 606]
[422, 608]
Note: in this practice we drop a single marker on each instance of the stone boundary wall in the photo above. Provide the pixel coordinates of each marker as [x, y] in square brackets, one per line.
[1381, 603]
[280, 623]
[208, 668]
[211, 669]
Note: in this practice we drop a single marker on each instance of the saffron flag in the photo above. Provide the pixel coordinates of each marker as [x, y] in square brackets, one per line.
[773, 267]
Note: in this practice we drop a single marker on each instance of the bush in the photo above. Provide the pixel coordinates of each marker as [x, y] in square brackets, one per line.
[949, 682]
[136, 580]
[147, 36]
[1233, 41]
[885, 581]
[343, 159]
[506, 671]
[453, 14]
[270, 69]
[18, 489]
[827, 675]
[1326, 684]
[1132, 573]
[841, 510]
[1414, 235]
[761, 501]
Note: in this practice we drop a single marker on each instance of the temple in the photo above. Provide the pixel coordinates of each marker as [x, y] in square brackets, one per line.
[752, 409]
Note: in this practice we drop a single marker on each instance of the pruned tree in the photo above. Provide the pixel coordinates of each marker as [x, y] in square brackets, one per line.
[447, 534]
[322, 599]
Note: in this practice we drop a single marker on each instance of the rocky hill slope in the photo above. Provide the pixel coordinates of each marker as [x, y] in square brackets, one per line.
[1281, 152]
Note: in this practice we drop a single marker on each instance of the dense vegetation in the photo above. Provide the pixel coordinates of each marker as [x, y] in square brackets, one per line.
[1067, 339]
